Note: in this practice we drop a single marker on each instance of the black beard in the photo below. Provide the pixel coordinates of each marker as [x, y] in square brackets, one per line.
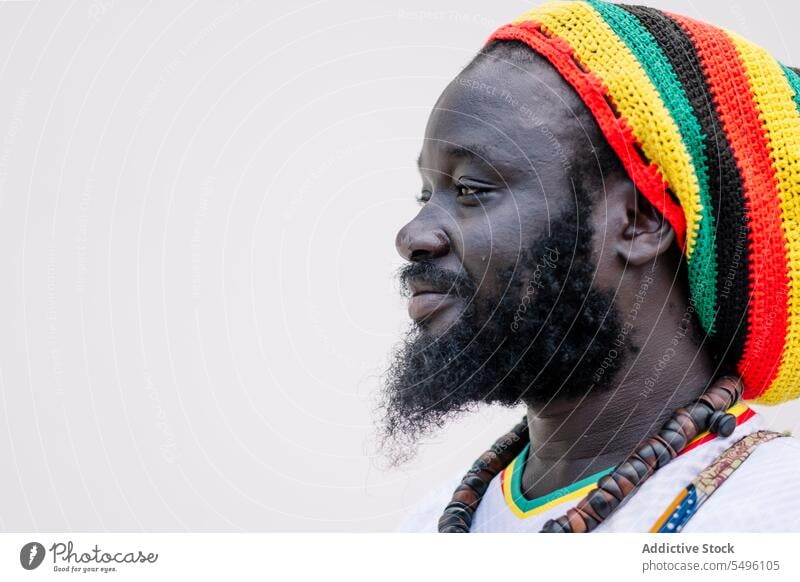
[550, 336]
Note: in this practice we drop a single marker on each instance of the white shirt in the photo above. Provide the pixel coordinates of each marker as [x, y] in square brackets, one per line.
[762, 495]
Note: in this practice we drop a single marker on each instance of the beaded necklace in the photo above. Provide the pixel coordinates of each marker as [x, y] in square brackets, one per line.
[706, 413]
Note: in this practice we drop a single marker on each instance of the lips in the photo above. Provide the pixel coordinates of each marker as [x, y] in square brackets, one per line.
[426, 304]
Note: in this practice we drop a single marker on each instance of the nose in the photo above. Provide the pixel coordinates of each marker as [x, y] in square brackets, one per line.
[421, 240]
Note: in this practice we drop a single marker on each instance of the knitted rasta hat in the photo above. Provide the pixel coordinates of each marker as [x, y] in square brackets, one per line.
[707, 126]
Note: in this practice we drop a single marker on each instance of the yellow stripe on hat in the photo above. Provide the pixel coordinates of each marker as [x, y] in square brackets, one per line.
[774, 99]
[636, 99]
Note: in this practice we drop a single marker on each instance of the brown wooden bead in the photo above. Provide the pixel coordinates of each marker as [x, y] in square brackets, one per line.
[643, 470]
[629, 472]
[734, 385]
[467, 496]
[576, 523]
[673, 425]
[673, 451]
[452, 521]
[491, 462]
[729, 393]
[560, 525]
[708, 412]
[584, 506]
[485, 475]
[716, 400]
[610, 486]
[602, 503]
[626, 485]
[587, 518]
[476, 483]
[720, 396]
[672, 439]
[665, 452]
[552, 526]
[485, 463]
[700, 413]
[564, 523]
[457, 509]
[690, 428]
[722, 423]
[649, 454]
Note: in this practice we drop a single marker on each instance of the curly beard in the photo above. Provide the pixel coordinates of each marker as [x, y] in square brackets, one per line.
[548, 338]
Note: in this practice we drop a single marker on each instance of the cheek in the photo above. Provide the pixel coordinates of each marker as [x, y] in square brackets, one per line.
[494, 247]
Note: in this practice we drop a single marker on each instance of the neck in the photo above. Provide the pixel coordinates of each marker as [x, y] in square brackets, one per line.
[571, 440]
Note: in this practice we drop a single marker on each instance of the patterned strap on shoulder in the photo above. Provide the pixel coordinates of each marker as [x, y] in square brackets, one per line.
[684, 506]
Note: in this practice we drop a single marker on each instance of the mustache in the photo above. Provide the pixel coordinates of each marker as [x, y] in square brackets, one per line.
[442, 280]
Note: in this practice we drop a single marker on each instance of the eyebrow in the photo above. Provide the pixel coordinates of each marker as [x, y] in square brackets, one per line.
[479, 152]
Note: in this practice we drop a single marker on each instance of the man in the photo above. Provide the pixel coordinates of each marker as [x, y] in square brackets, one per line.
[608, 226]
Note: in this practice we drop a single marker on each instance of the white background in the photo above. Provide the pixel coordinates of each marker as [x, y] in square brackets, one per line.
[198, 203]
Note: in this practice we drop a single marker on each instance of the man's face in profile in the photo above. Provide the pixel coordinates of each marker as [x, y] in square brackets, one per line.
[500, 279]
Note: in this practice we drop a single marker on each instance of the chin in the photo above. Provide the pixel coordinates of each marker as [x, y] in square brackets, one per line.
[442, 321]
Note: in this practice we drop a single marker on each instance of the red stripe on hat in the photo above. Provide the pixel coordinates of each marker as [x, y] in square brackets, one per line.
[769, 281]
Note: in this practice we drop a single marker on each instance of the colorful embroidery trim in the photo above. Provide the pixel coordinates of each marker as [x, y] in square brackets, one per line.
[685, 505]
[511, 476]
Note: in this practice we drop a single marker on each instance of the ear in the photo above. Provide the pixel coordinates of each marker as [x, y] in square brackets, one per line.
[645, 233]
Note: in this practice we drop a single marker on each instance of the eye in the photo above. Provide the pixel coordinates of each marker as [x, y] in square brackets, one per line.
[470, 193]
[468, 190]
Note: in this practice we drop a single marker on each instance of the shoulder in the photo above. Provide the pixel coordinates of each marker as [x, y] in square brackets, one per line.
[760, 496]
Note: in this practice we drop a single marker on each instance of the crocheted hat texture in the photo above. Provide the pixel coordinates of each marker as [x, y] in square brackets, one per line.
[707, 125]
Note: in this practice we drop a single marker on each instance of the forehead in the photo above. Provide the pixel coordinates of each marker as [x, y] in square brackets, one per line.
[503, 111]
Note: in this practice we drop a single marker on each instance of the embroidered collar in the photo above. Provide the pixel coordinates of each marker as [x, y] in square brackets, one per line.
[511, 476]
